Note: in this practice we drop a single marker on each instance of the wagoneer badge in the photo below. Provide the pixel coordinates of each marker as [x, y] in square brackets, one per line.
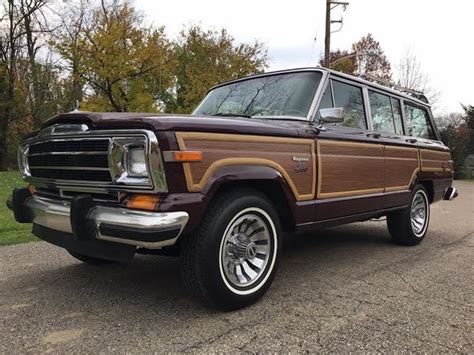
[300, 166]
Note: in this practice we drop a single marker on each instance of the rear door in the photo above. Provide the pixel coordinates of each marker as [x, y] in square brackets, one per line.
[401, 152]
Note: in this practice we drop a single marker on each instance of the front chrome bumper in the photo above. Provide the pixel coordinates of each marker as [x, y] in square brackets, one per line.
[151, 230]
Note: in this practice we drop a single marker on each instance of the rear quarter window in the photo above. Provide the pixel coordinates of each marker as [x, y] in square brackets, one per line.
[418, 122]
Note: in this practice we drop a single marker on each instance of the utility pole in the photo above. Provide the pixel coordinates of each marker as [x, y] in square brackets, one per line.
[330, 5]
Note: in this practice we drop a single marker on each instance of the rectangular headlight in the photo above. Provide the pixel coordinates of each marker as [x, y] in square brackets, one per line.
[128, 161]
[136, 163]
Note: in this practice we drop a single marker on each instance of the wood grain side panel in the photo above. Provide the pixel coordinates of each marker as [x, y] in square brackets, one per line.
[349, 169]
[401, 167]
[229, 149]
[433, 160]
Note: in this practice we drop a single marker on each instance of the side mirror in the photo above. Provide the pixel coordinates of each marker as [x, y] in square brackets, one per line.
[332, 115]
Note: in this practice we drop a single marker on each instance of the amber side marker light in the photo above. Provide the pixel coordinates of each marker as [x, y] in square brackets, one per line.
[182, 156]
[143, 202]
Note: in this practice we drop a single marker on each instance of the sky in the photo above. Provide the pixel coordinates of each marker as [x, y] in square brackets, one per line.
[439, 33]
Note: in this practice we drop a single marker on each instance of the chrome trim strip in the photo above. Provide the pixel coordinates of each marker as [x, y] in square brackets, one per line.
[69, 153]
[312, 112]
[55, 214]
[49, 167]
[142, 220]
[367, 109]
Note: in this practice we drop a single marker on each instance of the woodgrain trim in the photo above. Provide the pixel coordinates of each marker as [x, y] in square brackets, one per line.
[414, 174]
[325, 195]
[445, 154]
[197, 187]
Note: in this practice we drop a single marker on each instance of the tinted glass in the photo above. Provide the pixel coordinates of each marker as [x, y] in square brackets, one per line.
[276, 95]
[381, 110]
[418, 122]
[397, 116]
[350, 98]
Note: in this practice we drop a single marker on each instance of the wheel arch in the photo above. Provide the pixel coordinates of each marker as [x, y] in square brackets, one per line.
[429, 186]
[264, 179]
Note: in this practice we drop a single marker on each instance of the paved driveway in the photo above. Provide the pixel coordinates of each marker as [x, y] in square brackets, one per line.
[342, 289]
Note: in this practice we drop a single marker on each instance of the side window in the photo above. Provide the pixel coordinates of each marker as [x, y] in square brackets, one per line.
[397, 116]
[381, 109]
[350, 98]
[386, 113]
[418, 122]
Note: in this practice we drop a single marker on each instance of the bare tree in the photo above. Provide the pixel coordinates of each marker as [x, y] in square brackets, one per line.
[75, 19]
[453, 119]
[411, 76]
[11, 42]
[23, 25]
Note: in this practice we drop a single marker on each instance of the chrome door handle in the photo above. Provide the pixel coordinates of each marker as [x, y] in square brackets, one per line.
[374, 135]
[411, 140]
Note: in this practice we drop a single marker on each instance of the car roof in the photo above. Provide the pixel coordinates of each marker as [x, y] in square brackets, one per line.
[333, 73]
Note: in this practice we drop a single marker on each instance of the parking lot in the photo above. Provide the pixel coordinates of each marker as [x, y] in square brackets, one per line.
[342, 289]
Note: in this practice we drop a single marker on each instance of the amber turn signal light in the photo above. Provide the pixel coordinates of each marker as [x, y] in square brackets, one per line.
[143, 202]
[183, 156]
[32, 189]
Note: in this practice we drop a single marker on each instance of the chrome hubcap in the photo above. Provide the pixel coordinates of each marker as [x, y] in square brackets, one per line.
[418, 213]
[246, 250]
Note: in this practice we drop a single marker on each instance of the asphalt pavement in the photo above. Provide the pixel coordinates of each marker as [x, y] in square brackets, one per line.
[338, 290]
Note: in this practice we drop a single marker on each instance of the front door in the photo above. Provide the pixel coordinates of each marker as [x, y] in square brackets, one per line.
[350, 160]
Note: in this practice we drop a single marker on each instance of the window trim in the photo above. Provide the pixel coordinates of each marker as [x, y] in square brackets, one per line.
[402, 121]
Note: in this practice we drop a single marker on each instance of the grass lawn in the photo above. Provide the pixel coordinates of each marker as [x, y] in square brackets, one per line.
[11, 232]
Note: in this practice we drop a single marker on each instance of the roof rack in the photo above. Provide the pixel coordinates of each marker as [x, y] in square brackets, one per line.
[415, 93]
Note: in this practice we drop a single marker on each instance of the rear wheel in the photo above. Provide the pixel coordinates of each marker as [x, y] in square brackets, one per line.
[232, 260]
[409, 226]
[89, 259]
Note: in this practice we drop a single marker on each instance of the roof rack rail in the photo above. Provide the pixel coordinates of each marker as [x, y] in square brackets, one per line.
[414, 93]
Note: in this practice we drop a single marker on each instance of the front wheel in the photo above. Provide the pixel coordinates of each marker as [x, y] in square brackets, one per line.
[409, 226]
[232, 260]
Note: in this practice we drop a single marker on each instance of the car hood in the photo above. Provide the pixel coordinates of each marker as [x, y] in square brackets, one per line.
[172, 122]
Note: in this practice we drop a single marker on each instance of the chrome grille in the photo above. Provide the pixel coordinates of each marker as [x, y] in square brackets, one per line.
[73, 159]
[90, 161]
[63, 159]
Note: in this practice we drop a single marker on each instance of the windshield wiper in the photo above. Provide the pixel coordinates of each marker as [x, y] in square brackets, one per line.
[230, 114]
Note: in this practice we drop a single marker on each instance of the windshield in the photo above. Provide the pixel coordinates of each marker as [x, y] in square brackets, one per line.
[274, 95]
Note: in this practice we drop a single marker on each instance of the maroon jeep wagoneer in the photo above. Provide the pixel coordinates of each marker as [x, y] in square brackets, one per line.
[287, 151]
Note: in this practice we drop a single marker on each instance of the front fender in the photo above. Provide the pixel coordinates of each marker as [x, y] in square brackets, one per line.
[245, 174]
